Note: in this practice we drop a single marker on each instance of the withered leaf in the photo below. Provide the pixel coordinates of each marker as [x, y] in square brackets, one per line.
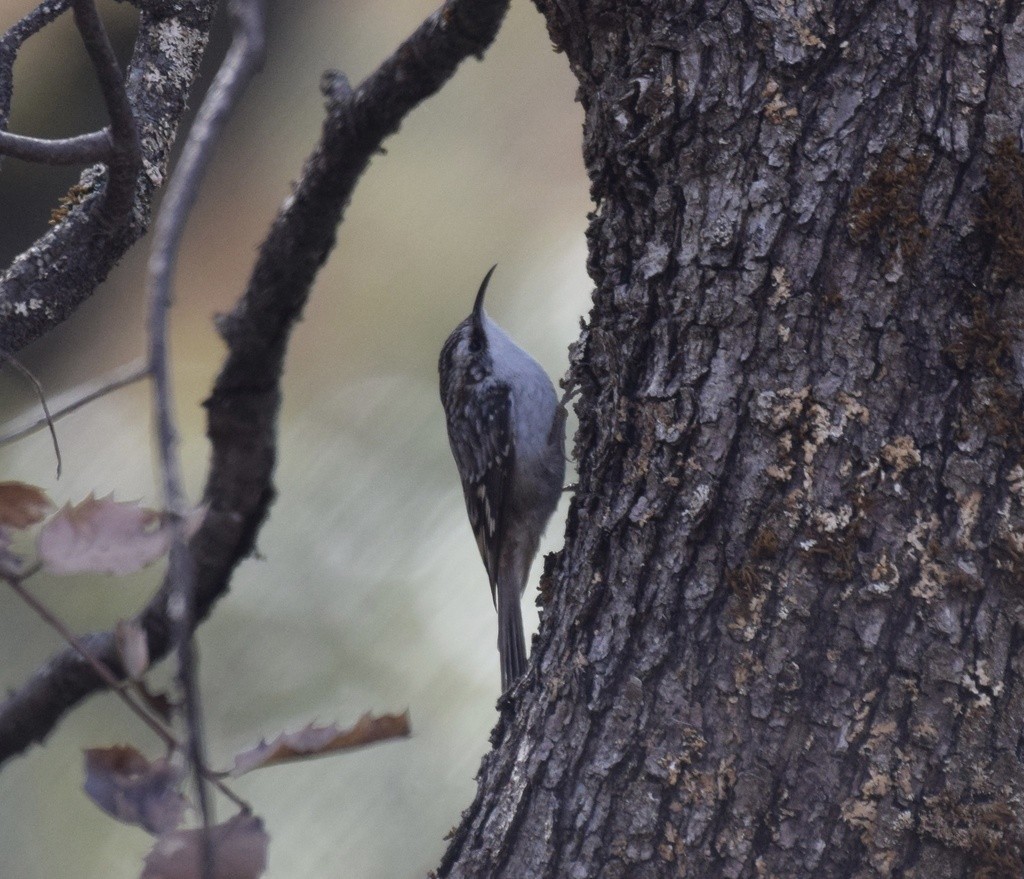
[132, 647]
[315, 741]
[159, 703]
[127, 786]
[239, 851]
[104, 536]
[22, 505]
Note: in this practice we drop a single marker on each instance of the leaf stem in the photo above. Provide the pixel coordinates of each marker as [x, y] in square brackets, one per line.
[110, 679]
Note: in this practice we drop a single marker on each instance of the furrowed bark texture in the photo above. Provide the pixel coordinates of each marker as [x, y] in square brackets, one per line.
[785, 636]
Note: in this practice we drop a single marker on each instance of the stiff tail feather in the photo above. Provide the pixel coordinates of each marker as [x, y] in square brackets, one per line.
[511, 642]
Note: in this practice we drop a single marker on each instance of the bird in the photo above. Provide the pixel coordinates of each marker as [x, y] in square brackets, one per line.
[506, 428]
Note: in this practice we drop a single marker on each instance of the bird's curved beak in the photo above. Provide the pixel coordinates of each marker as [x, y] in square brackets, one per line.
[478, 305]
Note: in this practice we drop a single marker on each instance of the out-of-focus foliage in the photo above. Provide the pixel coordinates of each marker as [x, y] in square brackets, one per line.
[314, 740]
[240, 852]
[127, 786]
[368, 591]
[103, 536]
[22, 505]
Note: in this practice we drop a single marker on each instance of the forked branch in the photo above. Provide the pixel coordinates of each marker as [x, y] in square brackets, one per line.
[64, 266]
[125, 155]
[243, 58]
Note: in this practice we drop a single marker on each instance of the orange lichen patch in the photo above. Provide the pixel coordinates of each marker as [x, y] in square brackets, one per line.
[75, 195]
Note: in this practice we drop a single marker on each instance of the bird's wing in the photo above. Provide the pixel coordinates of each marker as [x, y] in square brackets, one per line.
[486, 458]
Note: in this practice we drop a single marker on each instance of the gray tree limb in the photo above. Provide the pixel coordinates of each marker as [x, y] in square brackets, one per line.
[82, 149]
[244, 57]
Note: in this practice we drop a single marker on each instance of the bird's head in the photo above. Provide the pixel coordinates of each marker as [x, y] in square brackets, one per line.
[465, 357]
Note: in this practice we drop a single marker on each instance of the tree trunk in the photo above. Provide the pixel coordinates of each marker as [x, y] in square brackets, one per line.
[784, 638]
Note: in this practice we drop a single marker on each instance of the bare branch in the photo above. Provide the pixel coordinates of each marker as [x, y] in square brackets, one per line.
[66, 264]
[162, 731]
[243, 406]
[47, 418]
[126, 154]
[55, 623]
[84, 149]
[119, 378]
[243, 58]
[12, 41]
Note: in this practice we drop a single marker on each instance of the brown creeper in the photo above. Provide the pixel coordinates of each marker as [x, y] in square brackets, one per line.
[507, 434]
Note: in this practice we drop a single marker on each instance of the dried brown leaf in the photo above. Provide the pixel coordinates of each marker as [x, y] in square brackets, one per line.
[22, 505]
[316, 741]
[127, 786]
[159, 703]
[103, 536]
[239, 851]
[132, 647]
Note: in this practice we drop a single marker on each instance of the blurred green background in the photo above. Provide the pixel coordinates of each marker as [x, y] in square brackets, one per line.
[368, 592]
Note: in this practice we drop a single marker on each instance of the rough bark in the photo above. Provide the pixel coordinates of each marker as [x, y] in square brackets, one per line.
[47, 282]
[784, 636]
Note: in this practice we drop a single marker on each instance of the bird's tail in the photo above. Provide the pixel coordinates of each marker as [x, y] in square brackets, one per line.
[511, 642]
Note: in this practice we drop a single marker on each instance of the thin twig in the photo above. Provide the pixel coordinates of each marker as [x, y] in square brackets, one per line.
[84, 149]
[109, 678]
[163, 732]
[243, 58]
[11, 359]
[113, 381]
[31, 24]
[125, 160]
[11, 42]
[241, 62]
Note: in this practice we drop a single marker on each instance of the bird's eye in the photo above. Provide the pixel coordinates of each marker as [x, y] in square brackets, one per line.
[474, 343]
